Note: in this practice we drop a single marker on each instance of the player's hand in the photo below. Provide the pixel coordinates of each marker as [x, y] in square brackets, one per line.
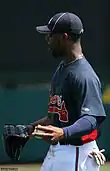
[52, 132]
[30, 130]
[98, 156]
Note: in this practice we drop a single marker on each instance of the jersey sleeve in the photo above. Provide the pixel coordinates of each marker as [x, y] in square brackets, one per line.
[87, 95]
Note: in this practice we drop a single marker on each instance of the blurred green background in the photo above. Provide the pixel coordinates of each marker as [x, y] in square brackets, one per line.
[26, 66]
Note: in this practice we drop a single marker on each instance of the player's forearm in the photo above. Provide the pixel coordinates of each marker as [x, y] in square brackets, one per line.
[44, 121]
[81, 127]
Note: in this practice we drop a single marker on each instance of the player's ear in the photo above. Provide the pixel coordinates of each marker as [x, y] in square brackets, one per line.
[65, 36]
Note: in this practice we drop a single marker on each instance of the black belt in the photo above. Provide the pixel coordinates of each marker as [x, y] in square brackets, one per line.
[61, 143]
[64, 143]
[69, 142]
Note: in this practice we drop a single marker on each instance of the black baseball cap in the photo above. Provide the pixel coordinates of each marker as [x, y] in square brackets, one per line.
[62, 23]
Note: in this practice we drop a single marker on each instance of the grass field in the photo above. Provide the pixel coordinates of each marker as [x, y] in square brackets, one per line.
[36, 167]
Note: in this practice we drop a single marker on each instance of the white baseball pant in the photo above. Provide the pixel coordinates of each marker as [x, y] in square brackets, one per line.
[70, 158]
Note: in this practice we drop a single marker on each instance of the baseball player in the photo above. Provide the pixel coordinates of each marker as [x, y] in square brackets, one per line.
[75, 109]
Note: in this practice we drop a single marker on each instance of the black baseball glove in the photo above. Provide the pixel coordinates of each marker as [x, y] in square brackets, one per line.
[15, 137]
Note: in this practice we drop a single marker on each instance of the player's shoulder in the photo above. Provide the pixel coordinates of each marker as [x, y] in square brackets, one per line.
[83, 71]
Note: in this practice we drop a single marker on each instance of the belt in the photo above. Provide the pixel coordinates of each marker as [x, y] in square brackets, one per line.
[61, 143]
[64, 143]
[67, 142]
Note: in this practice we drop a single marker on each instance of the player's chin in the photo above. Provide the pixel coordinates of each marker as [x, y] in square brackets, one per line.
[55, 54]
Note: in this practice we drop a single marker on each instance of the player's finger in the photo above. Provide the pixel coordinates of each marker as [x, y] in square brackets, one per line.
[99, 158]
[95, 152]
[53, 139]
[103, 150]
[42, 134]
[100, 155]
[90, 155]
[103, 157]
[44, 128]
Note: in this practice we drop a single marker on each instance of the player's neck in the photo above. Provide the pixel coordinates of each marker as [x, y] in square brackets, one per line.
[74, 53]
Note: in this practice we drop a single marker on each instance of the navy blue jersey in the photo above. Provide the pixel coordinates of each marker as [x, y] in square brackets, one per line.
[75, 91]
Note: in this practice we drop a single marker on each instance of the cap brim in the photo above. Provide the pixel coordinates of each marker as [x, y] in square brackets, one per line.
[43, 29]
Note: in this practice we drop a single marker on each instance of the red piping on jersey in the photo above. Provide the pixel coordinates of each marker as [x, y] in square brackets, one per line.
[90, 137]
